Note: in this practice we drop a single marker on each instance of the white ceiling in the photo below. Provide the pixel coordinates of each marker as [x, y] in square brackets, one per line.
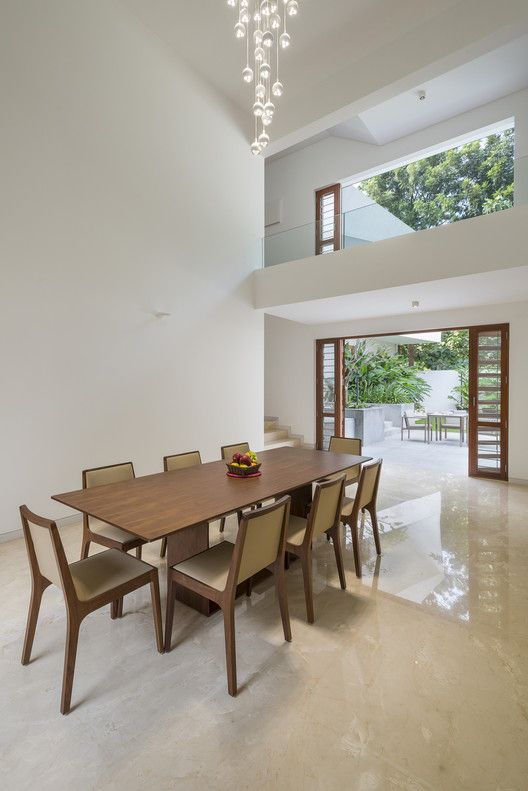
[509, 285]
[482, 80]
[326, 36]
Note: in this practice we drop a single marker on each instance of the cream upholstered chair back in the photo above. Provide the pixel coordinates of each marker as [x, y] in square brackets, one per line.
[180, 461]
[351, 445]
[44, 547]
[115, 473]
[101, 476]
[326, 509]
[261, 537]
[368, 483]
[228, 451]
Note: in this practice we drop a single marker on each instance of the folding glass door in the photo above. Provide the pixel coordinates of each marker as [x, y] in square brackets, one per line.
[330, 391]
[488, 401]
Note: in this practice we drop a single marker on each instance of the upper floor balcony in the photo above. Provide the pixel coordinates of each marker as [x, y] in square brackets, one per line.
[376, 253]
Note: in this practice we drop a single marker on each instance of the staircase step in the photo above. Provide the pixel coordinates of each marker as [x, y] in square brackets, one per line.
[271, 423]
[285, 443]
[273, 436]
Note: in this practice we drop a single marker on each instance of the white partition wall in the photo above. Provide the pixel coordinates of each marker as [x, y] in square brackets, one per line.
[128, 189]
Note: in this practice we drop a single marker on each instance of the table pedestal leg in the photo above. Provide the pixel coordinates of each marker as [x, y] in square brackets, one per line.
[182, 545]
[301, 499]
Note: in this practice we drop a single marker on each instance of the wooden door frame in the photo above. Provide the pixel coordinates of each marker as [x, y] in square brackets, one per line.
[505, 362]
[473, 423]
[339, 411]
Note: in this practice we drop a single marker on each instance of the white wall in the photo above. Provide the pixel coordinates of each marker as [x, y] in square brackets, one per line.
[114, 158]
[442, 384]
[293, 178]
[290, 357]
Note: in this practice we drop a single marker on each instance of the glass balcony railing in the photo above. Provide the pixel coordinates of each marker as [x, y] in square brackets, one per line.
[359, 226]
[369, 223]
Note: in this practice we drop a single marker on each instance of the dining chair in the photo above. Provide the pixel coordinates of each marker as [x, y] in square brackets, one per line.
[87, 585]
[353, 446]
[324, 517]
[227, 453]
[216, 573]
[364, 500]
[178, 461]
[410, 423]
[99, 532]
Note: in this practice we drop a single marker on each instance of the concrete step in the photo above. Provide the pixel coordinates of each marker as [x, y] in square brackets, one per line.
[273, 436]
[292, 442]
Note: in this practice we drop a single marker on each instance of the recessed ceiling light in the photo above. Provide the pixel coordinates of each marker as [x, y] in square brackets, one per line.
[415, 304]
[421, 96]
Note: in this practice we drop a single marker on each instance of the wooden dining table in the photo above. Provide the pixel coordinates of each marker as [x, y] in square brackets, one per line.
[179, 504]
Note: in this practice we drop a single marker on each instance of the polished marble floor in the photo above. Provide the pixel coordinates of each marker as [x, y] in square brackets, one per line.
[414, 678]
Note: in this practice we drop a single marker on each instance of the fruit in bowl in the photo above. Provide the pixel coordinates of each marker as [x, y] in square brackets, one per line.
[244, 464]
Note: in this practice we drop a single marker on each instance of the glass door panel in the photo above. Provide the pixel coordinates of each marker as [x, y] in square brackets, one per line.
[488, 402]
[329, 391]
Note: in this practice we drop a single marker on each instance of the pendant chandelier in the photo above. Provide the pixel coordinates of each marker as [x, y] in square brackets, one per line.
[263, 24]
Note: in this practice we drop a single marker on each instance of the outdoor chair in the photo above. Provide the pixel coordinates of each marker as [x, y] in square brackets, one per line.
[409, 422]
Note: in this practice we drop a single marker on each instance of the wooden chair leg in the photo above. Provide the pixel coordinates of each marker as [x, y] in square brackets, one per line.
[169, 613]
[355, 546]
[85, 546]
[156, 610]
[139, 552]
[306, 562]
[229, 631]
[286, 560]
[338, 551]
[70, 654]
[280, 584]
[375, 529]
[249, 586]
[37, 589]
[222, 524]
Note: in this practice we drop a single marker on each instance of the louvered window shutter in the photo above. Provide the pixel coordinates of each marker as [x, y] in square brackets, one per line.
[328, 219]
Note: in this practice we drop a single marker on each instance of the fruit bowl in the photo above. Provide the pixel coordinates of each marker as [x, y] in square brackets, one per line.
[244, 465]
[243, 472]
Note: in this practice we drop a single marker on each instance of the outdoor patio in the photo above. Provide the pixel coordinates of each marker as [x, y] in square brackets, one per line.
[439, 456]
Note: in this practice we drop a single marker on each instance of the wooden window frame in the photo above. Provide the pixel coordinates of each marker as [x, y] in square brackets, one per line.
[335, 190]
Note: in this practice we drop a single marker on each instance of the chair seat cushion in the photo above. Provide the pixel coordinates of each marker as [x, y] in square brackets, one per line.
[296, 530]
[109, 531]
[210, 567]
[101, 573]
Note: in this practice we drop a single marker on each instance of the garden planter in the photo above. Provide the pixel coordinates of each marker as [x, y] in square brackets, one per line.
[368, 423]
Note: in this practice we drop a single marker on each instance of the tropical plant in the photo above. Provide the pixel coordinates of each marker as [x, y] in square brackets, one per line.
[460, 393]
[374, 376]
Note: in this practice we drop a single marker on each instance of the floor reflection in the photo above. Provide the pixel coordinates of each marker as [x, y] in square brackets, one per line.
[446, 550]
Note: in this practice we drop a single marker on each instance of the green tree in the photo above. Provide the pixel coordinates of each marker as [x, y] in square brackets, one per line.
[451, 353]
[467, 181]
